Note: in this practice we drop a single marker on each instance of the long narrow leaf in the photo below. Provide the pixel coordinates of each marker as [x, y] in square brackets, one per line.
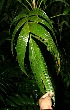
[20, 23]
[45, 36]
[40, 20]
[42, 14]
[19, 17]
[21, 45]
[15, 100]
[39, 67]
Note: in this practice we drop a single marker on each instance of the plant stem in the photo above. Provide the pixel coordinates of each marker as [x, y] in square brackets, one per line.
[29, 3]
[34, 5]
[57, 15]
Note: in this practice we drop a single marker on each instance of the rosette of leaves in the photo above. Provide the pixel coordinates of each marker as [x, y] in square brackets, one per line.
[29, 27]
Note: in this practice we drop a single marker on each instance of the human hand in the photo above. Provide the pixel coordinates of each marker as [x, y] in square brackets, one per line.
[45, 101]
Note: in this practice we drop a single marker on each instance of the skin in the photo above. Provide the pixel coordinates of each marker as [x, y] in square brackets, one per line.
[45, 101]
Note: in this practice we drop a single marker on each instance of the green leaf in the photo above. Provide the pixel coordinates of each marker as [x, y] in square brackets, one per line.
[20, 23]
[19, 17]
[22, 100]
[9, 102]
[15, 100]
[2, 88]
[44, 36]
[33, 64]
[23, 5]
[21, 45]
[39, 16]
[31, 98]
[42, 14]
[27, 100]
[66, 11]
[40, 20]
[39, 67]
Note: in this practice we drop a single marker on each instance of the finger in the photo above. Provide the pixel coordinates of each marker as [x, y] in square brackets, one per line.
[50, 94]
[45, 95]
